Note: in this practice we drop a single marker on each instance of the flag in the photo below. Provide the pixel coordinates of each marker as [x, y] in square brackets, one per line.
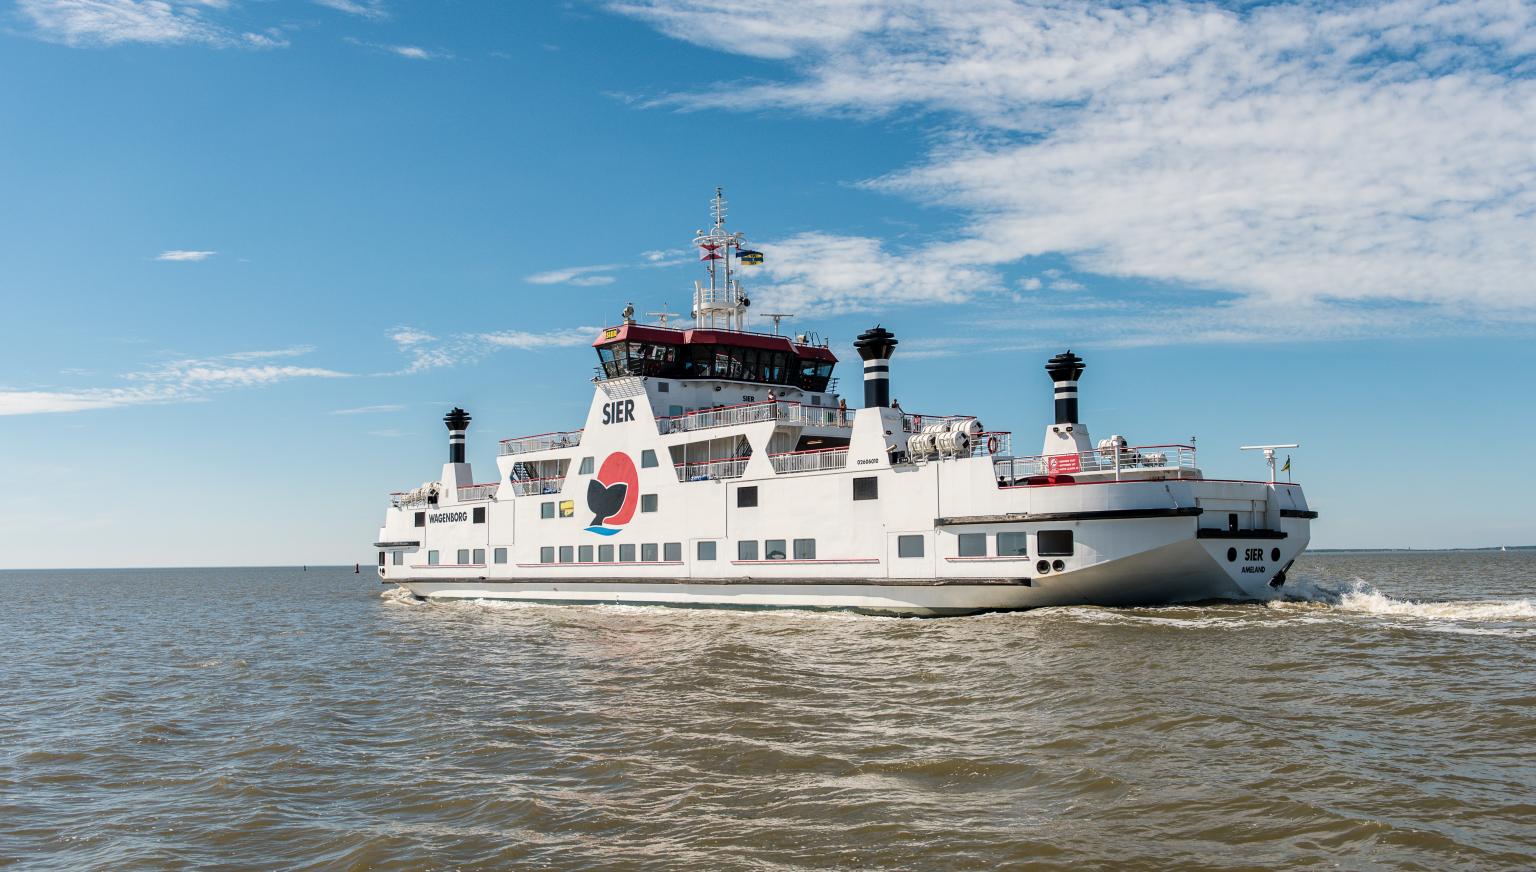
[1287, 466]
[707, 252]
[749, 257]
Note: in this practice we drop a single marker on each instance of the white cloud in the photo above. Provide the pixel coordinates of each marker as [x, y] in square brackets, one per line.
[183, 256]
[295, 351]
[175, 382]
[819, 272]
[413, 52]
[1290, 153]
[583, 276]
[369, 410]
[1030, 284]
[428, 352]
[93, 23]
[360, 8]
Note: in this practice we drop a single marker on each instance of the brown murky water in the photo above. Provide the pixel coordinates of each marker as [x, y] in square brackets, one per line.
[264, 718]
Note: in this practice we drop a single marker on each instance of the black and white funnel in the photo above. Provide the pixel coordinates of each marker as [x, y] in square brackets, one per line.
[876, 345]
[457, 421]
[1065, 369]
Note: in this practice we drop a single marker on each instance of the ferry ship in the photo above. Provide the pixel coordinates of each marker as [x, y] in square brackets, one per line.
[718, 466]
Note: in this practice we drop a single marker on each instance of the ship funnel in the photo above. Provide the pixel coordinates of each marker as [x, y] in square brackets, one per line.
[1065, 369]
[875, 345]
[457, 421]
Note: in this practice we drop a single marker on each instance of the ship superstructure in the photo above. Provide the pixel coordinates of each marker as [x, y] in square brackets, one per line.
[719, 466]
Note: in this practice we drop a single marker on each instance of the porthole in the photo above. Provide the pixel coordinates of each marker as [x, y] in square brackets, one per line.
[1231, 555]
[1274, 555]
[1043, 567]
[1058, 565]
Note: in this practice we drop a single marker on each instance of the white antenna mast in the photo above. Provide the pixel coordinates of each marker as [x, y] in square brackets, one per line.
[662, 316]
[724, 298]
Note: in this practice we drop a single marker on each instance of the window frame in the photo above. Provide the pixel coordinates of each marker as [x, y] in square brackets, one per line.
[605, 553]
[1053, 550]
[547, 510]
[746, 497]
[567, 554]
[969, 542]
[434, 559]
[588, 464]
[870, 484]
[584, 554]
[648, 459]
[650, 552]
[746, 549]
[804, 549]
[1023, 546]
[905, 539]
[627, 552]
[768, 549]
[649, 503]
[499, 555]
[547, 554]
[477, 557]
[706, 553]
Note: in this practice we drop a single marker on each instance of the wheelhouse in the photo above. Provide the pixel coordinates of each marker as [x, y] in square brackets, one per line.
[635, 349]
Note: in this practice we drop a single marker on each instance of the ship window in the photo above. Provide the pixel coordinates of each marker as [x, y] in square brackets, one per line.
[672, 551]
[973, 544]
[746, 549]
[546, 510]
[421, 519]
[479, 557]
[567, 554]
[1012, 544]
[647, 459]
[866, 488]
[1054, 543]
[605, 554]
[567, 508]
[805, 549]
[774, 549]
[478, 515]
[648, 552]
[586, 466]
[381, 558]
[1232, 522]
[663, 387]
[746, 497]
[584, 554]
[816, 400]
[547, 554]
[626, 553]
[463, 556]
[909, 546]
[431, 558]
[706, 550]
[647, 502]
[399, 558]
[500, 555]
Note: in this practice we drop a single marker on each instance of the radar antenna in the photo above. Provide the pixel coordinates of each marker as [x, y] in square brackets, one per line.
[1269, 454]
[662, 316]
[777, 317]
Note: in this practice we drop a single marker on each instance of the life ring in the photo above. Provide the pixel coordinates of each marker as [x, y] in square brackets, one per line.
[991, 444]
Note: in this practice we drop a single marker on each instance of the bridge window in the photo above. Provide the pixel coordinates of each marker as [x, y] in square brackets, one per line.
[627, 553]
[547, 554]
[706, 550]
[909, 546]
[1012, 544]
[775, 549]
[1054, 543]
[973, 544]
[672, 551]
[500, 554]
[746, 549]
[805, 549]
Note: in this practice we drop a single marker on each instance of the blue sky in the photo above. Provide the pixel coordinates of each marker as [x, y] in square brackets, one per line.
[252, 251]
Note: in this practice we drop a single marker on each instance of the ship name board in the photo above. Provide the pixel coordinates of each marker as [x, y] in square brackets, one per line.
[618, 411]
[448, 517]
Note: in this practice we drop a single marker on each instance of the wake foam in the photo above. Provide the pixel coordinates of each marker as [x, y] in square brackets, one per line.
[1364, 598]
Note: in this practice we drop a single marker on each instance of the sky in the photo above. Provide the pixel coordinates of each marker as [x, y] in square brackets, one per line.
[251, 251]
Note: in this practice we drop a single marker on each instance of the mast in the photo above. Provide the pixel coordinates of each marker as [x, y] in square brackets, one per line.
[722, 301]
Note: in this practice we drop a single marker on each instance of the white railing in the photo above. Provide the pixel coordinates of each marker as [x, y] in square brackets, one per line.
[1142, 458]
[408, 501]
[997, 443]
[710, 470]
[913, 422]
[527, 487]
[748, 413]
[478, 492]
[810, 461]
[541, 442]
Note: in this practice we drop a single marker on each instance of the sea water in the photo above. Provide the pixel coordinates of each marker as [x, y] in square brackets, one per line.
[1382, 718]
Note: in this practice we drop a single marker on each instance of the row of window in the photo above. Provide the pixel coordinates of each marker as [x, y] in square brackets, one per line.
[647, 461]
[649, 551]
[567, 508]
[1049, 543]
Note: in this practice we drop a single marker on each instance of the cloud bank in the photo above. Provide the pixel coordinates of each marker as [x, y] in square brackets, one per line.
[1293, 156]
